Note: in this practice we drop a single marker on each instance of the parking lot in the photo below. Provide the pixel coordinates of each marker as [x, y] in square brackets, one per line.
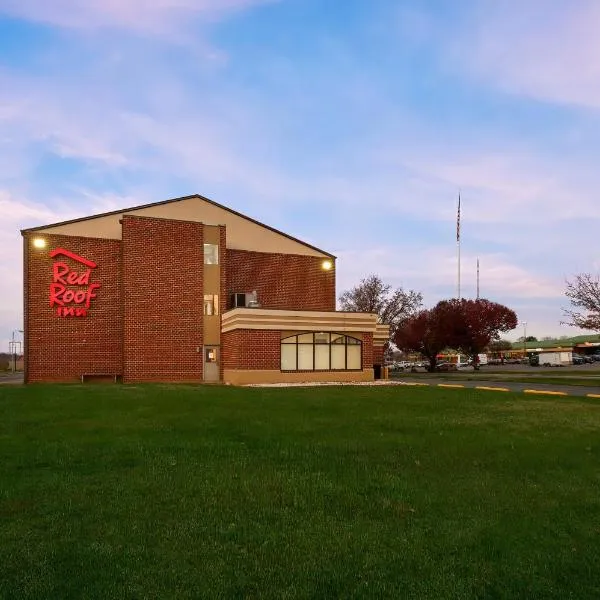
[591, 368]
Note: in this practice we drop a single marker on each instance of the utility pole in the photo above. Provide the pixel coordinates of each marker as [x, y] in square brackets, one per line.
[458, 244]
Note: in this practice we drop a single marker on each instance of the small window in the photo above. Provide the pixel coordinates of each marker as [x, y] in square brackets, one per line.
[210, 355]
[321, 338]
[211, 254]
[305, 338]
[211, 304]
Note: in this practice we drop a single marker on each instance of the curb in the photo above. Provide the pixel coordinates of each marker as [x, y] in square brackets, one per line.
[491, 389]
[495, 389]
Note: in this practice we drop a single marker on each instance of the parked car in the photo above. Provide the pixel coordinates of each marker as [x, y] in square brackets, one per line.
[578, 359]
[446, 366]
[595, 357]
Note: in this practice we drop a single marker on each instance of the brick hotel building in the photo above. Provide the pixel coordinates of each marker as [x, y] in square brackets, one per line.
[187, 290]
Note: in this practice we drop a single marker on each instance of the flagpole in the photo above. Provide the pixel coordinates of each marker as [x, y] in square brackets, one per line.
[458, 243]
[477, 279]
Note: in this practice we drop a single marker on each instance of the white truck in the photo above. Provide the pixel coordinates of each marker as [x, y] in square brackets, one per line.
[463, 361]
[555, 359]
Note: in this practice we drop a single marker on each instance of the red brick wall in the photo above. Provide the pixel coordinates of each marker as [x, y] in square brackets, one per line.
[283, 281]
[261, 350]
[367, 351]
[378, 355]
[251, 349]
[63, 348]
[163, 263]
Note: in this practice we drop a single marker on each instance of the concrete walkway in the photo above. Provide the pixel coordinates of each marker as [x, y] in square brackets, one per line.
[13, 379]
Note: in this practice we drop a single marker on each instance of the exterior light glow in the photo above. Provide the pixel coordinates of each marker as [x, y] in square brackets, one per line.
[326, 265]
[39, 243]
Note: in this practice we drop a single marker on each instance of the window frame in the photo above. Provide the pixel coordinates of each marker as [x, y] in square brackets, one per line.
[287, 342]
[213, 299]
[214, 248]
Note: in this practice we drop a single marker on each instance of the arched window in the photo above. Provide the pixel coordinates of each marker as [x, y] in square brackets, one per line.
[321, 351]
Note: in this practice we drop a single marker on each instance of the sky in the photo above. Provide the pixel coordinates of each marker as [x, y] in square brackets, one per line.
[351, 125]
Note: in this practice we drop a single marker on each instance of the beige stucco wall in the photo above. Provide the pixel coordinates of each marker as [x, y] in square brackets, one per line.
[298, 320]
[239, 377]
[212, 279]
[242, 234]
[212, 285]
[212, 330]
[212, 234]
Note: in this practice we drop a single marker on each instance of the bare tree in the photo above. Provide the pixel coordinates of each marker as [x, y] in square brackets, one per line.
[584, 294]
[374, 296]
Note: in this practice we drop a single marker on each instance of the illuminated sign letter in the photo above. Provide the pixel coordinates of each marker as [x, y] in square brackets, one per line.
[71, 301]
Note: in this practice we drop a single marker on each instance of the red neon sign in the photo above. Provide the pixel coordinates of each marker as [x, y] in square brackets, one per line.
[71, 302]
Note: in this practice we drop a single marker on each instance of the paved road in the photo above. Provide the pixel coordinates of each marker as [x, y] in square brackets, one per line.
[498, 385]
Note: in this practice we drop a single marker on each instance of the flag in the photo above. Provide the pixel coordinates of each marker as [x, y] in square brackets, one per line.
[458, 221]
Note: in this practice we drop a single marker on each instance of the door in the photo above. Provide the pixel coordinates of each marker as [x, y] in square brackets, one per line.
[211, 363]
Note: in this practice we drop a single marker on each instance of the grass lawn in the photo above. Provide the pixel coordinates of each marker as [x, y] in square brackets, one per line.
[341, 492]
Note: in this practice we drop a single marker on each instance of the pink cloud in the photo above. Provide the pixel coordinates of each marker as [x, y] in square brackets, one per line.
[146, 16]
[545, 50]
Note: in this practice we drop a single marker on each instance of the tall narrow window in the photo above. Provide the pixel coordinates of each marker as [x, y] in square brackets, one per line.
[338, 351]
[353, 353]
[211, 254]
[211, 304]
[322, 361]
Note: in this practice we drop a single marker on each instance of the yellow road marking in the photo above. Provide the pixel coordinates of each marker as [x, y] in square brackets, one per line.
[593, 395]
[450, 385]
[493, 389]
[545, 392]
[414, 384]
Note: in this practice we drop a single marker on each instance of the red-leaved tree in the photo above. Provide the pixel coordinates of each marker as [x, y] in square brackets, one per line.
[465, 325]
[477, 323]
[428, 332]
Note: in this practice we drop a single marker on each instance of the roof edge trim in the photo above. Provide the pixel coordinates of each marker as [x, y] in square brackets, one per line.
[169, 201]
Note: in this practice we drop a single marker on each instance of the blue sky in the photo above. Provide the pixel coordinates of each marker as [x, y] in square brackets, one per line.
[352, 125]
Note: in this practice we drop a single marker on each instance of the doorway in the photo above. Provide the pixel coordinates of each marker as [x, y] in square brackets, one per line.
[211, 363]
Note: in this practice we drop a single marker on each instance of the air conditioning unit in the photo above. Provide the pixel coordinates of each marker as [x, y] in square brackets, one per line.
[244, 300]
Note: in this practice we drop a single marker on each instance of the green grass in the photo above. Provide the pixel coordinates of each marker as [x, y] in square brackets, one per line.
[341, 492]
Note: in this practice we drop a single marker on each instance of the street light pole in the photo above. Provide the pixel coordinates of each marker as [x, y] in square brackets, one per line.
[524, 323]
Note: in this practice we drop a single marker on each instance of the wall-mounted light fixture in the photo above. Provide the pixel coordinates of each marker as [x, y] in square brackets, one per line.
[327, 265]
[39, 243]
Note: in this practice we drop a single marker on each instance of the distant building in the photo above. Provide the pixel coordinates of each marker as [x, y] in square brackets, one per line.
[187, 290]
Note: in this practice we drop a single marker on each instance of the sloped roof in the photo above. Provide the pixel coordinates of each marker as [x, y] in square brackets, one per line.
[243, 232]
